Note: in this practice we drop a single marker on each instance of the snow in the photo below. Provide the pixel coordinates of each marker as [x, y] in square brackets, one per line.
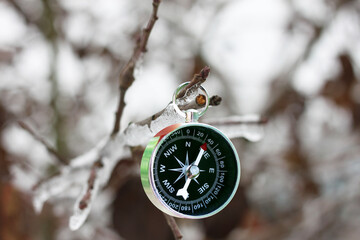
[12, 27]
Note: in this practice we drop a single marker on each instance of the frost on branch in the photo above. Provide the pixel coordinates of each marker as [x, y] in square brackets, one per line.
[140, 133]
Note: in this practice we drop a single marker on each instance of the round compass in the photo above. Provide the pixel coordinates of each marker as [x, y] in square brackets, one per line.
[190, 170]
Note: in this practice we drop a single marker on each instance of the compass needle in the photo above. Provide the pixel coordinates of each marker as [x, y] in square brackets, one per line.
[183, 191]
[192, 172]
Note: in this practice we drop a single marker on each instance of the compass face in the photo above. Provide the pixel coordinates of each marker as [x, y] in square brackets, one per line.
[190, 170]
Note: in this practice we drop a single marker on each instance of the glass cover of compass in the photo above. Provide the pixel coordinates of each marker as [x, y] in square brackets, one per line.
[190, 170]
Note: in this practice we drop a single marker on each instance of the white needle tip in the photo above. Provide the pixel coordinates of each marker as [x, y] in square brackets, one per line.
[183, 192]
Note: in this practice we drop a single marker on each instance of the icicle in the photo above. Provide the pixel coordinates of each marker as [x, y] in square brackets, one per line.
[99, 176]
[81, 211]
[57, 186]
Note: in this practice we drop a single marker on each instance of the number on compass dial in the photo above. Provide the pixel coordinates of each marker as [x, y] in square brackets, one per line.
[195, 171]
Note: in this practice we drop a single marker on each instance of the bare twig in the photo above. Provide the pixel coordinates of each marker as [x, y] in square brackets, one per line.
[197, 80]
[127, 73]
[194, 84]
[125, 81]
[173, 226]
[18, 8]
[215, 100]
[48, 147]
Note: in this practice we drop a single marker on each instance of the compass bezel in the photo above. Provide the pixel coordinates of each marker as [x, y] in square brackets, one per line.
[147, 171]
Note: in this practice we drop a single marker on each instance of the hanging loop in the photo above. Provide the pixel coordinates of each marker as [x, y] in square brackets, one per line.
[195, 104]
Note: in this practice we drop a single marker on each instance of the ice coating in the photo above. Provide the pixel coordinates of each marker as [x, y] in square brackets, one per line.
[247, 126]
[80, 215]
[140, 134]
[90, 156]
[57, 186]
[103, 174]
[250, 132]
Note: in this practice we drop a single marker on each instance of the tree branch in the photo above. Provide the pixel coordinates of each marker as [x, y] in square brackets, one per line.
[126, 78]
[173, 226]
[93, 175]
[195, 83]
[48, 147]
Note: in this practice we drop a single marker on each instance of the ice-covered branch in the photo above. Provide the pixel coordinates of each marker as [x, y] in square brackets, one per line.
[195, 83]
[250, 127]
[89, 172]
[126, 78]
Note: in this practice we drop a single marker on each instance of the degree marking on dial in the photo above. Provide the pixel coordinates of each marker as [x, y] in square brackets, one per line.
[204, 203]
[221, 158]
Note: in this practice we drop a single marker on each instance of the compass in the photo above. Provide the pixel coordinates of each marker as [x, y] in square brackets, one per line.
[190, 170]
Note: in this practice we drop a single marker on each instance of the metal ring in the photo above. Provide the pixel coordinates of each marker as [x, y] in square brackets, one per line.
[183, 113]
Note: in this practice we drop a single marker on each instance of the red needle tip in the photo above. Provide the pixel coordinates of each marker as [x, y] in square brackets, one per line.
[204, 147]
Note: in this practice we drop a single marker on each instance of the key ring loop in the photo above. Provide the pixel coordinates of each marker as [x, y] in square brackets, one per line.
[191, 114]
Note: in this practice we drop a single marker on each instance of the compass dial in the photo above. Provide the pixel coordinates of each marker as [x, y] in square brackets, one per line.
[190, 170]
